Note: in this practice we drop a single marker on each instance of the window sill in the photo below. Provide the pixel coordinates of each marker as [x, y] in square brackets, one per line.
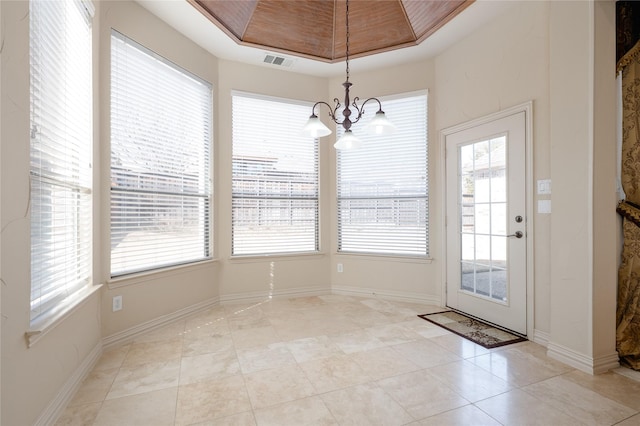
[387, 257]
[42, 327]
[273, 257]
[141, 277]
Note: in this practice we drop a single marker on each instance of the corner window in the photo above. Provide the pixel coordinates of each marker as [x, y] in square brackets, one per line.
[161, 129]
[275, 178]
[383, 190]
[61, 152]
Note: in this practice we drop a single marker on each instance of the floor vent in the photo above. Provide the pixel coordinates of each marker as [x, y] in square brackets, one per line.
[277, 60]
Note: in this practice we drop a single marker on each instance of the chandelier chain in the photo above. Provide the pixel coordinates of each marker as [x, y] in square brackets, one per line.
[315, 128]
[347, 37]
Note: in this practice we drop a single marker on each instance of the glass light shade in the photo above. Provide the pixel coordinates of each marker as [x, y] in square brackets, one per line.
[348, 141]
[380, 125]
[315, 128]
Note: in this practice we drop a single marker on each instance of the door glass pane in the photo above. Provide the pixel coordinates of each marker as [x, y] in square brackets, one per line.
[499, 218]
[480, 169]
[483, 241]
[483, 265]
[482, 212]
[497, 166]
[468, 248]
[499, 268]
[468, 279]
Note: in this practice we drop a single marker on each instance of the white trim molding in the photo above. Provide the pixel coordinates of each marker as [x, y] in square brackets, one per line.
[64, 396]
[583, 362]
[69, 306]
[132, 333]
[540, 337]
[527, 108]
[605, 363]
[136, 331]
[398, 296]
[264, 296]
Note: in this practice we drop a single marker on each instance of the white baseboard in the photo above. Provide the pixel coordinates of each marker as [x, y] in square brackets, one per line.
[582, 362]
[261, 296]
[570, 357]
[130, 334]
[399, 296]
[605, 363]
[540, 337]
[64, 396]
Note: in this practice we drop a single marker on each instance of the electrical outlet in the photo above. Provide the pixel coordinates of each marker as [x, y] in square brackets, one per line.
[340, 269]
[117, 303]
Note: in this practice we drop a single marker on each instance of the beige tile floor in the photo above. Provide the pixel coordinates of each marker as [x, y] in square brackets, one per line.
[337, 360]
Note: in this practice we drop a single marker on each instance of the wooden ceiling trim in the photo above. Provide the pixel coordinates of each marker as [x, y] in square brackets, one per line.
[434, 16]
[408, 19]
[230, 15]
[373, 26]
[299, 26]
[316, 28]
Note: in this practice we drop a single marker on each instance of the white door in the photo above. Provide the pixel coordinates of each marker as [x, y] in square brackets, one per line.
[486, 223]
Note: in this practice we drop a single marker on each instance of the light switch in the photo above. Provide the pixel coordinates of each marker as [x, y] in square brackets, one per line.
[544, 186]
[544, 206]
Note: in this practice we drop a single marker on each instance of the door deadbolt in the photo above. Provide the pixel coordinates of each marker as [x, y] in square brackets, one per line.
[518, 219]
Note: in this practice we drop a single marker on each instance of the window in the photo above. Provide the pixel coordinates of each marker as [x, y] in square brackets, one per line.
[383, 188]
[61, 153]
[160, 161]
[275, 178]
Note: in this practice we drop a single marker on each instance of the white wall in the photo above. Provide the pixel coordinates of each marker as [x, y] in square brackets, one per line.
[570, 165]
[502, 65]
[583, 224]
[399, 278]
[558, 54]
[255, 278]
[535, 51]
[36, 380]
[1, 222]
[32, 378]
[606, 225]
[148, 296]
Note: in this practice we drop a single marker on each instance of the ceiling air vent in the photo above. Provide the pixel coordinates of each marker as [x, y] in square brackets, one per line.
[277, 60]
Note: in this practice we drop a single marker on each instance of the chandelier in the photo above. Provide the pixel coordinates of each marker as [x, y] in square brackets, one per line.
[378, 125]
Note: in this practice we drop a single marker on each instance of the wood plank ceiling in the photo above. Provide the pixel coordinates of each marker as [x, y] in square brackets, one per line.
[316, 29]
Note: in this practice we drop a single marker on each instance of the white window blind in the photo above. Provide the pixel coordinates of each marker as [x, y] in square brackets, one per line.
[161, 119]
[383, 187]
[275, 178]
[61, 151]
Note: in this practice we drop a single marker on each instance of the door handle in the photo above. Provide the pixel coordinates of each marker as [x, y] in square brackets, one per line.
[518, 234]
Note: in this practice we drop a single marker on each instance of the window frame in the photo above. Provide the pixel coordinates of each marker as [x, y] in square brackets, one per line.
[360, 132]
[61, 158]
[305, 107]
[205, 187]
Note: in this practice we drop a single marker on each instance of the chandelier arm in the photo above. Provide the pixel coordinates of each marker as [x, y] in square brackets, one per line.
[332, 111]
[313, 110]
[372, 99]
[347, 112]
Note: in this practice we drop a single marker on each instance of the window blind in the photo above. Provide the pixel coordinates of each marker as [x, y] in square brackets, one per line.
[275, 178]
[61, 150]
[383, 186]
[160, 161]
